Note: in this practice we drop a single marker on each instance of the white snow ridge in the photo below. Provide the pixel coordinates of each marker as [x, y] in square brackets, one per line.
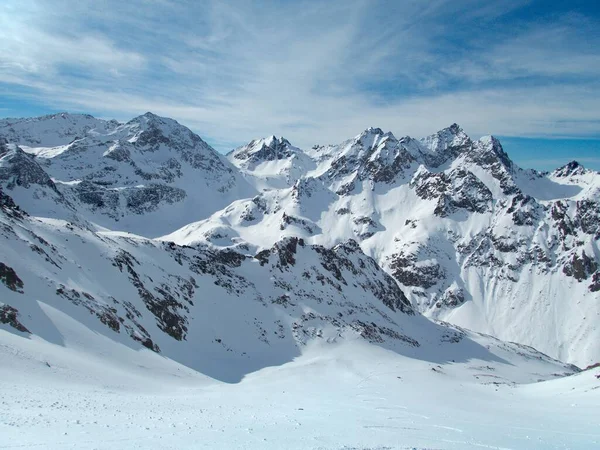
[382, 293]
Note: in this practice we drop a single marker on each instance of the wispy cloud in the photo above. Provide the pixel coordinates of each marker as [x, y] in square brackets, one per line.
[313, 71]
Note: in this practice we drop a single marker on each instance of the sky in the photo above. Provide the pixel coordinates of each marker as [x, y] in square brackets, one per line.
[317, 72]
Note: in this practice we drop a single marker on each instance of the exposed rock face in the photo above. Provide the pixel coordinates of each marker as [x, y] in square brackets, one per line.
[580, 267]
[10, 316]
[569, 169]
[373, 155]
[459, 189]
[406, 270]
[10, 279]
[445, 145]
[157, 294]
[19, 169]
[454, 221]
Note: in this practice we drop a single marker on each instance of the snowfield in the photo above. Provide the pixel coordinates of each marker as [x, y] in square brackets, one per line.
[347, 396]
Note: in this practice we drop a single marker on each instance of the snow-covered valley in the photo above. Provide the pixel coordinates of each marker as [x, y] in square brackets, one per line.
[351, 395]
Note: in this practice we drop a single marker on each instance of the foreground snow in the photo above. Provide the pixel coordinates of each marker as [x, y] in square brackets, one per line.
[346, 396]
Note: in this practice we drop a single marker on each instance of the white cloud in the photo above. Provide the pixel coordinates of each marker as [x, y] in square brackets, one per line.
[30, 50]
[315, 72]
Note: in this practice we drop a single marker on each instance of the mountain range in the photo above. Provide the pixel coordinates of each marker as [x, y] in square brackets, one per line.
[227, 264]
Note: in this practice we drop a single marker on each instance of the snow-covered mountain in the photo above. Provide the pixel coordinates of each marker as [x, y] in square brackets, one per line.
[147, 176]
[271, 163]
[224, 313]
[143, 232]
[470, 237]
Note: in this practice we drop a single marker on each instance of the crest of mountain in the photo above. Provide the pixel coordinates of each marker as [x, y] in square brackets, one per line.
[147, 176]
[55, 130]
[569, 170]
[445, 145]
[271, 163]
[468, 236]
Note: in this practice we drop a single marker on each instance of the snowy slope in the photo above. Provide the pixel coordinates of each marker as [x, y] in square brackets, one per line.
[221, 312]
[153, 345]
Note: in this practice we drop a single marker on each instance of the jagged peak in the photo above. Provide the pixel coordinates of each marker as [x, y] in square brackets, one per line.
[492, 144]
[569, 169]
[446, 144]
[451, 136]
[149, 118]
[269, 141]
[373, 131]
[373, 137]
[272, 141]
[268, 148]
[454, 128]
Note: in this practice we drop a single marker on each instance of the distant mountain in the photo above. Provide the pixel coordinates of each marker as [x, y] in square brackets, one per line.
[147, 176]
[358, 237]
[271, 162]
[470, 237]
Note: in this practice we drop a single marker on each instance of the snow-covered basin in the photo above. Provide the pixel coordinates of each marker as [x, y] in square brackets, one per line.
[351, 395]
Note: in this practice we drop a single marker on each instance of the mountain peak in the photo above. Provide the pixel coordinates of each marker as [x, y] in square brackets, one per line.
[446, 137]
[273, 140]
[490, 144]
[374, 130]
[570, 169]
[148, 117]
[372, 137]
[446, 144]
[454, 128]
[265, 149]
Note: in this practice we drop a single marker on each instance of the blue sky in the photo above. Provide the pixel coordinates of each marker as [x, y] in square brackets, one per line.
[317, 72]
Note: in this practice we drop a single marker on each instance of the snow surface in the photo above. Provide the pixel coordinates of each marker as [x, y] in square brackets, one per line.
[348, 396]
